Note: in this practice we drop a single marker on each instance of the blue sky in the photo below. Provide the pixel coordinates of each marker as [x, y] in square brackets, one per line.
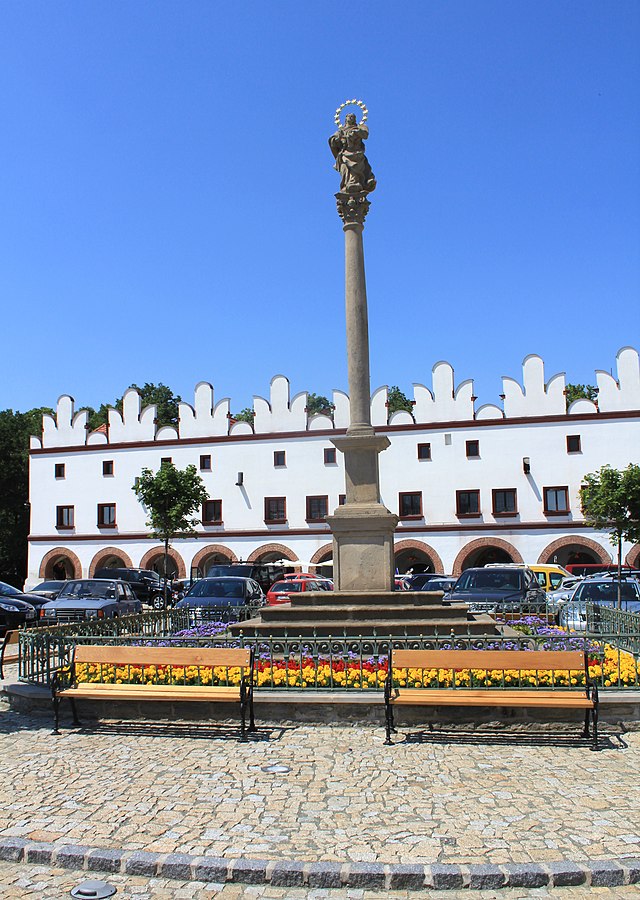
[167, 192]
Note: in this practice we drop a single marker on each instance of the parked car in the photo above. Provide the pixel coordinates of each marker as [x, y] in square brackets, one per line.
[602, 593]
[265, 574]
[444, 583]
[48, 589]
[14, 611]
[557, 599]
[90, 598]
[8, 590]
[224, 593]
[281, 591]
[145, 584]
[499, 590]
[294, 576]
[416, 582]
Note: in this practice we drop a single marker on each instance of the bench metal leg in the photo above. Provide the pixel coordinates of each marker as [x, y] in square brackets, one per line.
[56, 715]
[388, 716]
[585, 730]
[594, 745]
[252, 721]
[76, 720]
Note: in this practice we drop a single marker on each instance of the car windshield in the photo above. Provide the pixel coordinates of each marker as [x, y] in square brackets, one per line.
[489, 580]
[603, 591]
[291, 587]
[6, 590]
[101, 590]
[218, 571]
[48, 586]
[217, 587]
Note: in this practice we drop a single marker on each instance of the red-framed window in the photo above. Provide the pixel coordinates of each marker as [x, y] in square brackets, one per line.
[556, 500]
[410, 504]
[504, 501]
[467, 503]
[106, 515]
[275, 509]
[65, 516]
[317, 508]
[212, 512]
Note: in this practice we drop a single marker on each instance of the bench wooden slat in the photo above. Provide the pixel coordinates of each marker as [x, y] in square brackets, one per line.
[540, 660]
[164, 656]
[492, 697]
[149, 692]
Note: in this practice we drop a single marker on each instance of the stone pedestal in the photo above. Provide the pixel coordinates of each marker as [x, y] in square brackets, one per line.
[363, 558]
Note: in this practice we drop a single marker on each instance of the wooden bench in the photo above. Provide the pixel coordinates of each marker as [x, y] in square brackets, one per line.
[9, 651]
[66, 686]
[507, 694]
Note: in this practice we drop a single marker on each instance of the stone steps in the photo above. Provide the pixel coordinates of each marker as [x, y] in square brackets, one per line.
[349, 613]
[475, 625]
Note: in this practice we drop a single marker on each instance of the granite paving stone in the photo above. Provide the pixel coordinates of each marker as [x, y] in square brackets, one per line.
[161, 792]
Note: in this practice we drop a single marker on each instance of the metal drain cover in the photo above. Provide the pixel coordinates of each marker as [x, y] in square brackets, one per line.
[93, 890]
[276, 769]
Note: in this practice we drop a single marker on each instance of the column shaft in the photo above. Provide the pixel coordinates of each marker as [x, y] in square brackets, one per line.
[357, 330]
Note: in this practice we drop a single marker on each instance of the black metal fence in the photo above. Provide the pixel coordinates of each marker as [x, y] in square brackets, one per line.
[338, 662]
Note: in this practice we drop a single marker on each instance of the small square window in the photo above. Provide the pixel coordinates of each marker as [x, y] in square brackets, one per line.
[166, 461]
[317, 509]
[473, 449]
[424, 451]
[467, 503]
[329, 455]
[106, 515]
[212, 512]
[205, 463]
[505, 502]
[59, 470]
[342, 499]
[410, 505]
[573, 443]
[556, 501]
[107, 467]
[64, 516]
[275, 509]
[279, 458]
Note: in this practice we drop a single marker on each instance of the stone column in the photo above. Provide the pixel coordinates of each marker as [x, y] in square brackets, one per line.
[363, 558]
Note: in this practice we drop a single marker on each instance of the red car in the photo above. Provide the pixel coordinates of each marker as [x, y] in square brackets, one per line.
[281, 591]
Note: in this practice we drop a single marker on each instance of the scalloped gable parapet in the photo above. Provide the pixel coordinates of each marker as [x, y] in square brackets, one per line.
[66, 429]
[280, 414]
[623, 393]
[445, 403]
[135, 424]
[204, 418]
[534, 397]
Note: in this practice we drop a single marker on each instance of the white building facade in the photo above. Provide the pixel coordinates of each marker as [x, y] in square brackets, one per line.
[470, 485]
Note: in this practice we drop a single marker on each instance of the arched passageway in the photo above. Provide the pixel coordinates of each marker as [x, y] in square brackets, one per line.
[60, 564]
[567, 551]
[109, 558]
[154, 559]
[416, 556]
[485, 551]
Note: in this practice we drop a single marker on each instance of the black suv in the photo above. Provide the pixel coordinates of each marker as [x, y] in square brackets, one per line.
[145, 584]
[265, 574]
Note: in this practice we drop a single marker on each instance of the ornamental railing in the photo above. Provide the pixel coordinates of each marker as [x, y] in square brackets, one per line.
[623, 624]
[319, 662]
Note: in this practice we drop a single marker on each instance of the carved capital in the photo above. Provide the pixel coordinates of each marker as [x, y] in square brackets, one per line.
[353, 208]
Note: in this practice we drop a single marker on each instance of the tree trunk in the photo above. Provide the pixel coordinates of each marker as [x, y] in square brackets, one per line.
[164, 566]
[619, 570]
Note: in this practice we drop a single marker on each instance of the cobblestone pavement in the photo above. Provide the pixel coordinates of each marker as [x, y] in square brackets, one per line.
[491, 797]
[23, 882]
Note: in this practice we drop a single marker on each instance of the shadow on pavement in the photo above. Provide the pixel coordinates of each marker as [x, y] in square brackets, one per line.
[606, 741]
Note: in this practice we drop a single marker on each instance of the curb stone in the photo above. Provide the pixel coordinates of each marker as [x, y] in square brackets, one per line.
[292, 873]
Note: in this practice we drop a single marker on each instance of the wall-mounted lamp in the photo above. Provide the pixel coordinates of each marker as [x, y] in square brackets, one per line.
[526, 465]
[240, 479]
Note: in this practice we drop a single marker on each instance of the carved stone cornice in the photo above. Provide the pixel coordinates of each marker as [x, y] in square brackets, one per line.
[352, 208]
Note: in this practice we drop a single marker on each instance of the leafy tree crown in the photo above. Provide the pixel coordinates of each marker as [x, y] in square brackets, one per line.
[610, 501]
[580, 392]
[171, 498]
[396, 400]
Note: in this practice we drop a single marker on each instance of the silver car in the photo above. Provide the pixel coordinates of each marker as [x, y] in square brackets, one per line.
[602, 593]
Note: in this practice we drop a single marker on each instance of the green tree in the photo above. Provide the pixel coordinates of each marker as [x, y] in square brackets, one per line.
[158, 395]
[610, 500]
[317, 405]
[245, 415]
[15, 430]
[396, 401]
[171, 497]
[580, 392]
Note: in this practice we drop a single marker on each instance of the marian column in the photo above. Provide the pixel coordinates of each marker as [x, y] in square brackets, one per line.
[363, 557]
